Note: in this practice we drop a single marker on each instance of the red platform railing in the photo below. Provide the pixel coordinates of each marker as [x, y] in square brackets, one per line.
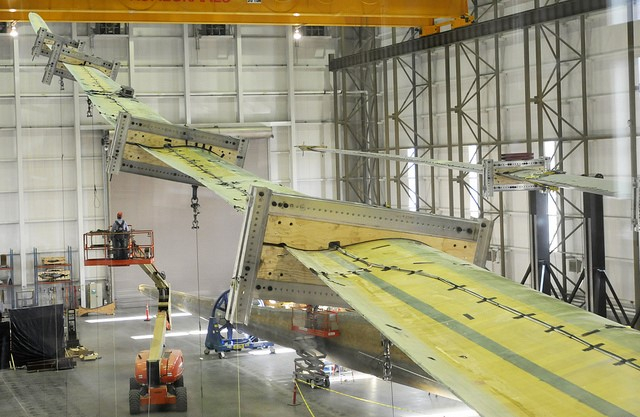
[100, 249]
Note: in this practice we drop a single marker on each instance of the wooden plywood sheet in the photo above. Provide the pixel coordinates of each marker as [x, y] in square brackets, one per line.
[316, 235]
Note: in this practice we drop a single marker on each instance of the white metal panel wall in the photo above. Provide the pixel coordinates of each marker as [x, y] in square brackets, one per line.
[203, 85]
[199, 262]
[47, 189]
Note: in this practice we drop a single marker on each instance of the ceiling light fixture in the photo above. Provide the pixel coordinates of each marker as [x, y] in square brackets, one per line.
[296, 33]
[13, 32]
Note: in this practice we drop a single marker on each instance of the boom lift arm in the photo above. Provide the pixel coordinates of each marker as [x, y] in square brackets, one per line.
[158, 371]
[162, 383]
[162, 323]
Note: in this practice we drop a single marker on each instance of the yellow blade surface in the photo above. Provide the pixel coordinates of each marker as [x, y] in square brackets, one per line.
[104, 94]
[620, 188]
[502, 348]
[230, 182]
[102, 90]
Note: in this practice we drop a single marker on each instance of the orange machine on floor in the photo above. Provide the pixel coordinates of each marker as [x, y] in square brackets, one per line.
[158, 378]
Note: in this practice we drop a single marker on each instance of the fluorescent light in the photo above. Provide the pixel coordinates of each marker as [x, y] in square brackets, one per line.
[267, 351]
[171, 334]
[131, 318]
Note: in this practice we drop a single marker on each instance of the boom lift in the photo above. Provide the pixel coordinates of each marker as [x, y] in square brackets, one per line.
[158, 378]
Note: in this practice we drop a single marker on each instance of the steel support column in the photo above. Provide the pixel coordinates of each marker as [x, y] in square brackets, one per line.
[291, 110]
[539, 242]
[633, 147]
[20, 162]
[79, 241]
[595, 254]
[358, 113]
[569, 59]
[239, 75]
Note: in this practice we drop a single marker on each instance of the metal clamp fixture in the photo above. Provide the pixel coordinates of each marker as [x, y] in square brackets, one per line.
[496, 174]
[61, 50]
[159, 133]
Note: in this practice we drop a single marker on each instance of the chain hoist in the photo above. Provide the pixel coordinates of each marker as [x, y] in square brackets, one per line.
[386, 365]
[195, 206]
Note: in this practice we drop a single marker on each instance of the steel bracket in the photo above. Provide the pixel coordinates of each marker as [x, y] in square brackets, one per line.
[248, 261]
[135, 130]
[493, 182]
[61, 50]
[264, 203]
[294, 292]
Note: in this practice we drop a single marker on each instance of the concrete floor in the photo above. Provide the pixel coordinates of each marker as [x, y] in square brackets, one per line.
[245, 384]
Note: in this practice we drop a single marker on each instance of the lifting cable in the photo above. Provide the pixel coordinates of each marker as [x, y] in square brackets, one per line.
[96, 200]
[64, 237]
[386, 369]
[195, 206]
[96, 204]
[67, 253]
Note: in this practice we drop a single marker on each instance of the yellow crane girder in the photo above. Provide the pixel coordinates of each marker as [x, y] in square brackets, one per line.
[392, 13]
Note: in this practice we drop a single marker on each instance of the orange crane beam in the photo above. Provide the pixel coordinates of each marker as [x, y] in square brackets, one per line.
[392, 13]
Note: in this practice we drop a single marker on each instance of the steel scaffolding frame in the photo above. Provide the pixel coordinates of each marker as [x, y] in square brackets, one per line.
[555, 57]
[356, 110]
[569, 62]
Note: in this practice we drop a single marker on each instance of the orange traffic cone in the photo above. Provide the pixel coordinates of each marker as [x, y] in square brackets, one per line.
[295, 393]
[147, 314]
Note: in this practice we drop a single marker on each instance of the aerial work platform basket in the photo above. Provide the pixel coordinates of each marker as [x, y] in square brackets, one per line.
[102, 247]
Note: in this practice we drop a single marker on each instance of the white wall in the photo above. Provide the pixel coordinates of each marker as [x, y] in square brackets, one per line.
[194, 261]
[51, 182]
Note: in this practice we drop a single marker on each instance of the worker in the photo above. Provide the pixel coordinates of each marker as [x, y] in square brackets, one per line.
[120, 237]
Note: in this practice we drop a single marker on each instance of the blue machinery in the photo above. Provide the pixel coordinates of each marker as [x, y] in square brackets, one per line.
[221, 344]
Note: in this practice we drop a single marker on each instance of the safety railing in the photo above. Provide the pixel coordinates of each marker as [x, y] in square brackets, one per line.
[103, 247]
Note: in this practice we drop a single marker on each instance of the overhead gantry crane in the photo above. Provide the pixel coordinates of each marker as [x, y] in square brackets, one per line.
[158, 377]
[429, 15]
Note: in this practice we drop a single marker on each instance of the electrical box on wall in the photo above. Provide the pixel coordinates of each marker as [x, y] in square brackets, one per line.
[95, 295]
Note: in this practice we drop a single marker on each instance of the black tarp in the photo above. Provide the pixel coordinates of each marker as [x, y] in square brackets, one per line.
[37, 333]
[4, 344]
